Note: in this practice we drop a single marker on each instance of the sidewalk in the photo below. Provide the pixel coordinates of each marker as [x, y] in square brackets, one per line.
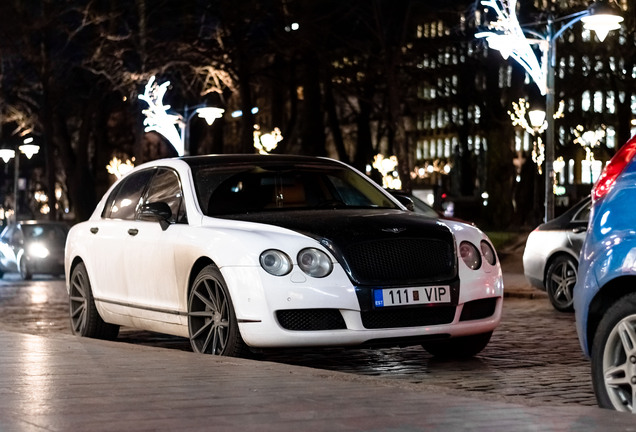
[515, 283]
[67, 383]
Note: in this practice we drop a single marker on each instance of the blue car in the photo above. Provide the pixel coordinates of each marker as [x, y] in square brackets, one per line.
[605, 292]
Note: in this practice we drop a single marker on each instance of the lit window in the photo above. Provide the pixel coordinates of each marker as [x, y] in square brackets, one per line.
[610, 102]
[590, 170]
[585, 101]
[610, 135]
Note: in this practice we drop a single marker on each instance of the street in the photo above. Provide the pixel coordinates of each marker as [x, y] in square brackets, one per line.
[533, 357]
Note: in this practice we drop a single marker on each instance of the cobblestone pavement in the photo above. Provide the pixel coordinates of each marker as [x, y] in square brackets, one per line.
[533, 357]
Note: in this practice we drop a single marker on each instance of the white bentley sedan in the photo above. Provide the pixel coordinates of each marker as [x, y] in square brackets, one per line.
[247, 252]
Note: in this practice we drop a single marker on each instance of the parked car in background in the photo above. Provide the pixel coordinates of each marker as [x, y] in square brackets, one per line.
[605, 293]
[240, 252]
[551, 256]
[33, 247]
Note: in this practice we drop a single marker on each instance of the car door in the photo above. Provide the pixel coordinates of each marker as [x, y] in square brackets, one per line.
[151, 276]
[109, 240]
[10, 244]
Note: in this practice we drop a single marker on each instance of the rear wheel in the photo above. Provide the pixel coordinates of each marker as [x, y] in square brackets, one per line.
[559, 283]
[459, 347]
[85, 320]
[212, 323]
[614, 356]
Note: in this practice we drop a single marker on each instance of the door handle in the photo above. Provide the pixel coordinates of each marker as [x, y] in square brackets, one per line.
[579, 230]
[94, 230]
[133, 231]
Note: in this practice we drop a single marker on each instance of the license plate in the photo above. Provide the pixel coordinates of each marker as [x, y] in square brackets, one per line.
[412, 296]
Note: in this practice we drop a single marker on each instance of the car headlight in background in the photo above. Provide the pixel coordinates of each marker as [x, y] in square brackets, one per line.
[470, 255]
[314, 262]
[488, 252]
[38, 250]
[275, 262]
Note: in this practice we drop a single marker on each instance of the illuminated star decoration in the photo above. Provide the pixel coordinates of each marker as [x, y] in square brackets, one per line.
[508, 38]
[157, 117]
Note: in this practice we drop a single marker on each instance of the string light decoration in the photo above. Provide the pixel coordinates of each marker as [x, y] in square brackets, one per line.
[437, 166]
[157, 118]
[522, 116]
[266, 142]
[386, 167]
[589, 140]
[119, 168]
[508, 37]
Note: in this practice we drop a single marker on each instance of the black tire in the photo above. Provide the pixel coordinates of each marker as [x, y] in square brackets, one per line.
[85, 320]
[459, 347]
[212, 323]
[559, 282]
[25, 273]
[614, 356]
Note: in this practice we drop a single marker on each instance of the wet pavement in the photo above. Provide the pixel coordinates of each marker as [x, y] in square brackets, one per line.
[532, 376]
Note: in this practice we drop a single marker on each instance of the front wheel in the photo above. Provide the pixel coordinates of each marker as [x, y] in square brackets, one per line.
[614, 356]
[212, 324]
[85, 320]
[25, 273]
[559, 283]
[459, 347]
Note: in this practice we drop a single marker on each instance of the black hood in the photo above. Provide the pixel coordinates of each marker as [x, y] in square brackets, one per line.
[347, 226]
[374, 246]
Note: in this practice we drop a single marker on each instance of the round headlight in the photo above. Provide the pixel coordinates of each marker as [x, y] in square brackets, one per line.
[314, 262]
[488, 252]
[38, 250]
[275, 262]
[470, 255]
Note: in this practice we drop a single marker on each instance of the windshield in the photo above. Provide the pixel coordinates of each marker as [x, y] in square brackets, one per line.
[51, 234]
[266, 187]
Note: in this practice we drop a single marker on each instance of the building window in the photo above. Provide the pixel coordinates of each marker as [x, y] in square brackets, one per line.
[590, 170]
[598, 102]
[610, 135]
[610, 102]
[585, 101]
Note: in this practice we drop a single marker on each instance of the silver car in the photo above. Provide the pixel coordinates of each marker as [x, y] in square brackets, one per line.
[33, 247]
[551, 256]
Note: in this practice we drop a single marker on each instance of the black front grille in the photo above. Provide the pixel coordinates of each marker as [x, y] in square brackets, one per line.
[478, 309]
[408, 317]
[311, 319]
[401, 261]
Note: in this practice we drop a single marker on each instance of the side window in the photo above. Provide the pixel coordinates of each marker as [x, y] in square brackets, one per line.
[17, 236]
[124, 200]
[7, 233]
[166, 187]
[584, 214]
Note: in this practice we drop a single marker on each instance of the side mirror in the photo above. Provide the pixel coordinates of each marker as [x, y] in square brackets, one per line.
[405, 201]
[156, 211]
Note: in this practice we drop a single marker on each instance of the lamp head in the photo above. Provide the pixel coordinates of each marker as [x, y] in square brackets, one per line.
[604, 16]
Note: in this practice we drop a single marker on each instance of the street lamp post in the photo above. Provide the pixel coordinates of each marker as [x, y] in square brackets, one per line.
[173, 127]
[28, 149]
[209, 114]
[510, 39]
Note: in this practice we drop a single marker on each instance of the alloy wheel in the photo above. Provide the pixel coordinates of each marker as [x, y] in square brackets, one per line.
[561, 279]
[619, 364]
[209, 317]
